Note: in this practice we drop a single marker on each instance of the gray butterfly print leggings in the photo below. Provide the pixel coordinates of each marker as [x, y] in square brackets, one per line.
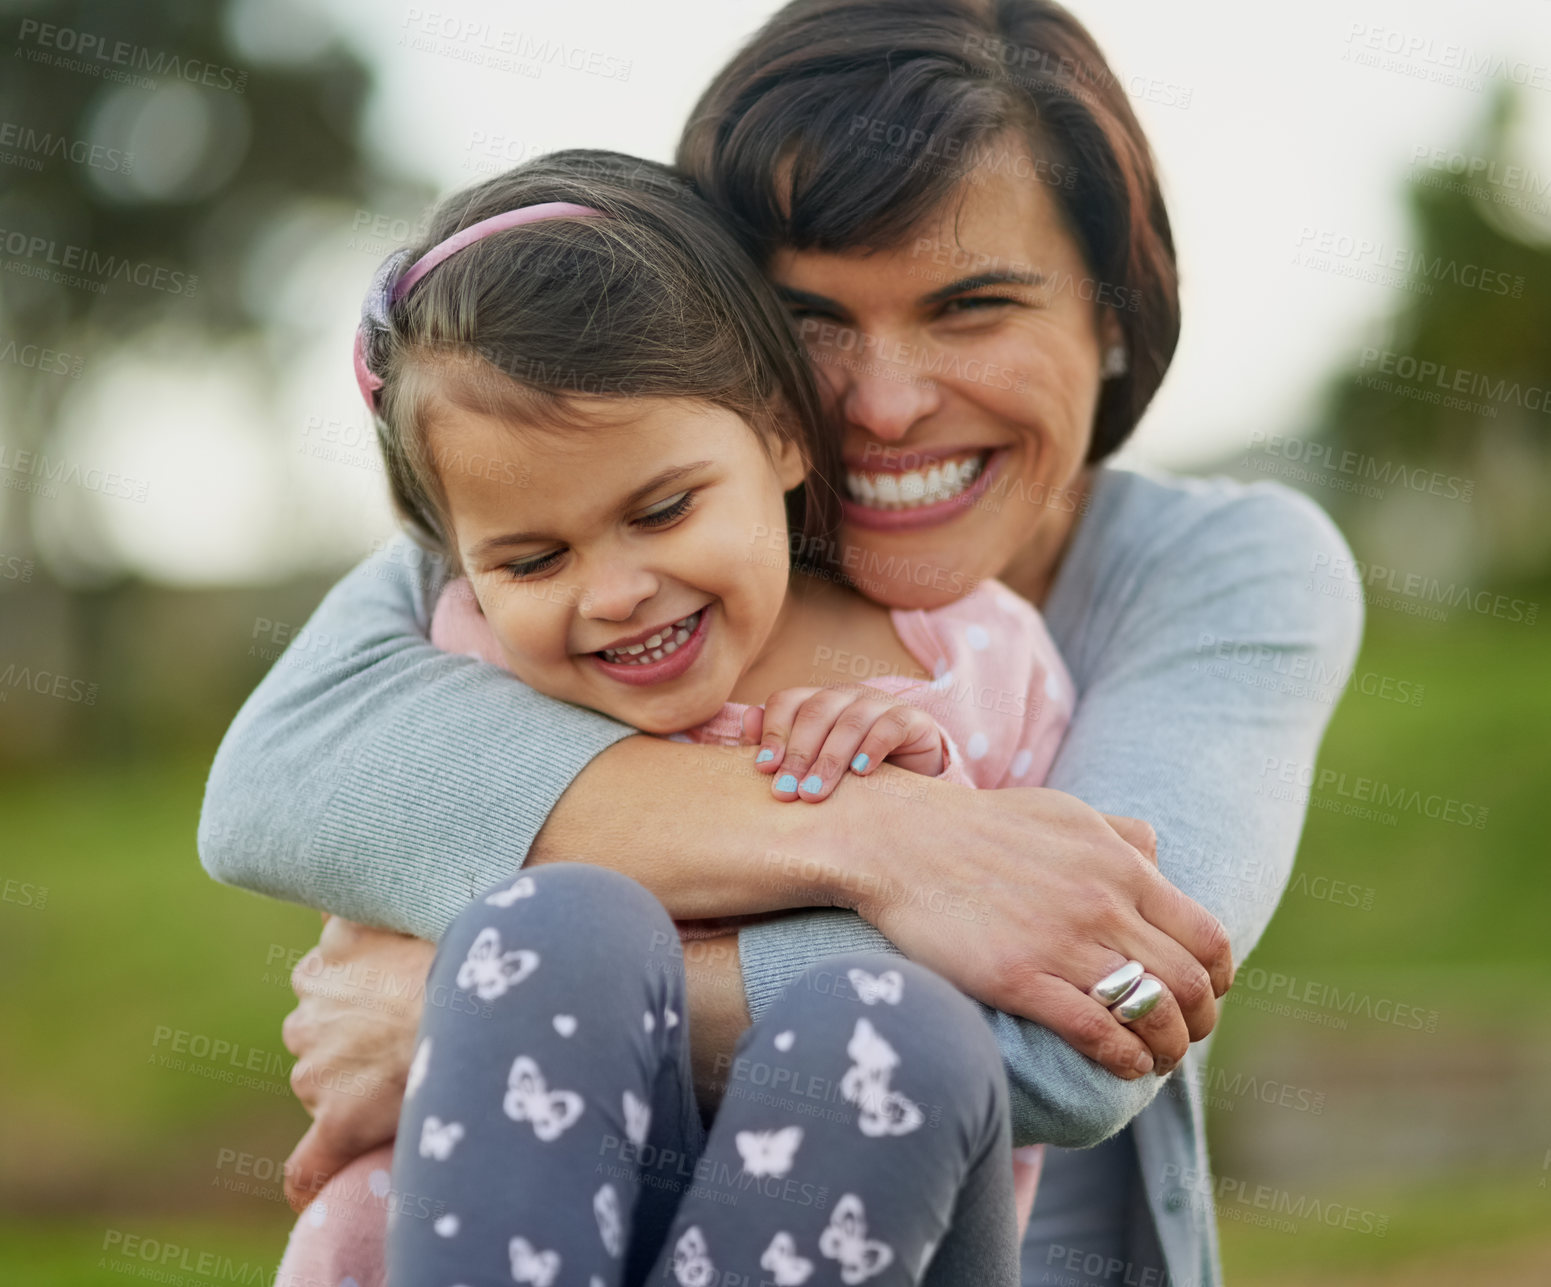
[550, 1133]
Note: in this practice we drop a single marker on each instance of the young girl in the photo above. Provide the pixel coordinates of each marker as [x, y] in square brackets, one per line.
[590, 402]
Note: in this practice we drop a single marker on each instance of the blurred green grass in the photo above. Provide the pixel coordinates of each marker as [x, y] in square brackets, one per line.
[1445, 894]
[1449, 1229]
[132, 939]
[1457, 924]
[74, 1253]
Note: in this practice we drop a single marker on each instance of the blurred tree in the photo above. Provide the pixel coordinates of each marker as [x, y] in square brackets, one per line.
[146, 150]
[143, 153]
[1460, 381]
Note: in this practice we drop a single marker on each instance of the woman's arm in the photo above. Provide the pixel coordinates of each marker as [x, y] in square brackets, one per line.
[374, 776]
[1166, 731]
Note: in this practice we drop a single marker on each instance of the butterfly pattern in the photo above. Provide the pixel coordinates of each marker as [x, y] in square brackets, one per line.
[437, 1140]
[873, 988]
[866, 1084]
[611, 1228]
[529, 1265]
[845, 1239]
[786, 1267]
[638, 1119]
[488, 972]
[528, 1099]
[692, 1265]
[768, 1152]
[522, 888]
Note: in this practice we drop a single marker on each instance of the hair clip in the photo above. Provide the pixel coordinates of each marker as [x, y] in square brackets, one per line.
[393, 281]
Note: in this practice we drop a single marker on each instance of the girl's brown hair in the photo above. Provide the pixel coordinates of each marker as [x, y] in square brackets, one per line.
[657, 299]
[843, 124]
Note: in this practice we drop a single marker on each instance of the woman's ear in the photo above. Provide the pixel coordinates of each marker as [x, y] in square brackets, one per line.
[1110, 333]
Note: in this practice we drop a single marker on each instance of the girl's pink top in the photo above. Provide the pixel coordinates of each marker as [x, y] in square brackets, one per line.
[1002, 698]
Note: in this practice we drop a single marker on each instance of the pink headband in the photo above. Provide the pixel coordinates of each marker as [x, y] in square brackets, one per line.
[389, 285]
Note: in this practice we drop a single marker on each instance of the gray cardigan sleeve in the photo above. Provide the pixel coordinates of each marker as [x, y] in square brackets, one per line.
[1209, 641]
[373, 776]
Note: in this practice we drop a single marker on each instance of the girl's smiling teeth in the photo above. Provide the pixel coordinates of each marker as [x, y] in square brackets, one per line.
[894, 489]
[656, 646]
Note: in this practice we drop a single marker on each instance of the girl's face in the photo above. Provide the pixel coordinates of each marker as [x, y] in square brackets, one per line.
[635, 565]
[963, 368]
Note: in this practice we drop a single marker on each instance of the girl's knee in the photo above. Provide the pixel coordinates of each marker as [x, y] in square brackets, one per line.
[568, 906]
[939, 1018]
[881, 978]
[559, 892]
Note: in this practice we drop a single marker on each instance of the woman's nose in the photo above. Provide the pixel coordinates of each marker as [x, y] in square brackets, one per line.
[886, 399]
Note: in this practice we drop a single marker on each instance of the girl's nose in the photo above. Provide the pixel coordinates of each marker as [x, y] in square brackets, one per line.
[616, 590]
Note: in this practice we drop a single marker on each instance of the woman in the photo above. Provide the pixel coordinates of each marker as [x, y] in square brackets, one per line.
[963, 213]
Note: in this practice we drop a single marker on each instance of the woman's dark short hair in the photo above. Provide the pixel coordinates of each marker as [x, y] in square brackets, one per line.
[844, 124]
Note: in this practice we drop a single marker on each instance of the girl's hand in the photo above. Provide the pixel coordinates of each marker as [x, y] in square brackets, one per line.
[809, 737]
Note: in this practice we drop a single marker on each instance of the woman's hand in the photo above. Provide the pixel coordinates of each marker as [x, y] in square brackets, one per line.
[361, 992]
[812, 736]
[1025, 898]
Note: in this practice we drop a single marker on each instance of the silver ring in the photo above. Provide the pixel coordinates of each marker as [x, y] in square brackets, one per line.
[1112, 987]
[1139, 1001]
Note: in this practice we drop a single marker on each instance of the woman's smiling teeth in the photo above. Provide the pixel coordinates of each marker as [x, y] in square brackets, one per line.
[657, 647]
[910, 489]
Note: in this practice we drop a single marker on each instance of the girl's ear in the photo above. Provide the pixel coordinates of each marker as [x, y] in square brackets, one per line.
[790, 465]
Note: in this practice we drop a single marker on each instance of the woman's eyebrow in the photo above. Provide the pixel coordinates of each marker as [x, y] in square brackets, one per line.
[807, 299]
[983, 279]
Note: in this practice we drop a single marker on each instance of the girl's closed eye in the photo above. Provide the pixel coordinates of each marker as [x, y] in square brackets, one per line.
[524, 568]
[668, 511]
[664, 514]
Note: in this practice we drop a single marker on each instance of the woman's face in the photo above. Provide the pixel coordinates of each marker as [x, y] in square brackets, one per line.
[963, 369]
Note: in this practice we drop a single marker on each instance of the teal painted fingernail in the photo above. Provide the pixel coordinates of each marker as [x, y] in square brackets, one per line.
[813, 784]
[765, 756]
[786, 782]
[860, 762]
